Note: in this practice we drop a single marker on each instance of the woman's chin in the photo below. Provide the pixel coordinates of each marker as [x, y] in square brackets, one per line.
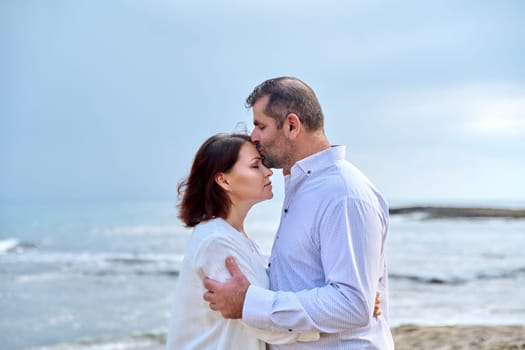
[267, 197]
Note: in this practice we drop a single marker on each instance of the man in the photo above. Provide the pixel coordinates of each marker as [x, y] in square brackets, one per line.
[328, 258]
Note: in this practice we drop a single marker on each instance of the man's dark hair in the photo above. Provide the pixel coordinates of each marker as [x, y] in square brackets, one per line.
[289, 95]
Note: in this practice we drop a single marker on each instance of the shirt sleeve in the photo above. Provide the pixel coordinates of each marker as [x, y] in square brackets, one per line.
[210, 262]
[351, 242]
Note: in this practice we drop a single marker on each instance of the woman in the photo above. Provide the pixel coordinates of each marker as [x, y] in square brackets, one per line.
[227, 178]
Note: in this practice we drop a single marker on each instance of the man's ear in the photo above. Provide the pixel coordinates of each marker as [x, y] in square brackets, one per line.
[222, 180]
[292, 125]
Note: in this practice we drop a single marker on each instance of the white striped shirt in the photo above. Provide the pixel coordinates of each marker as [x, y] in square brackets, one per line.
[328, 259]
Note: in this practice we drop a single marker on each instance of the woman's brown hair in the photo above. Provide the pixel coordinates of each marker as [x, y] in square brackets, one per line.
[201, 198]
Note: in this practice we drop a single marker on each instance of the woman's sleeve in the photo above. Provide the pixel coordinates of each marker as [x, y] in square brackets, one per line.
[210, 261]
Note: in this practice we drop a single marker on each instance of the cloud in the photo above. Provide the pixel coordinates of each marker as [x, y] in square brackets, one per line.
[118, 95]
[471, 110]
[498, 117]
[451, 142]
[434, 174]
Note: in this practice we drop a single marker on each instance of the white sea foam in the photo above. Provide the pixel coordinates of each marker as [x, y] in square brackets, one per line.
[7, 245]
[39, 277]
[54, 265]
[139, 230]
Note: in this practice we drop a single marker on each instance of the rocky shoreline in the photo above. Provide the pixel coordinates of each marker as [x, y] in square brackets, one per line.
[444, 212]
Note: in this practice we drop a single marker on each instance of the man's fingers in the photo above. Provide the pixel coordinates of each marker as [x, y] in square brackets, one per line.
[377, 305]
[210, 284]
[208, 296]
[377, 311]
[232, 266]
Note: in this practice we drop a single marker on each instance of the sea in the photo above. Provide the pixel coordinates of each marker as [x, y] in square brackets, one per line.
[101, 275]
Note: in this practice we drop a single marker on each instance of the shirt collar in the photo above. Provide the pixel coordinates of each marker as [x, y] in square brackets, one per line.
[318, 161]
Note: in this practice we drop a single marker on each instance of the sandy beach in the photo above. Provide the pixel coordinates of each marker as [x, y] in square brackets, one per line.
[406, 337]
[415, 337]
[459, 337]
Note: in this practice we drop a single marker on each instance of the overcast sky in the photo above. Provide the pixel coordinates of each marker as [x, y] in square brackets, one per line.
[108, 100]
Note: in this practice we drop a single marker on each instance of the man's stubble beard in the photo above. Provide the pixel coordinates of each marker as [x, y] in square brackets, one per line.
[279, 157]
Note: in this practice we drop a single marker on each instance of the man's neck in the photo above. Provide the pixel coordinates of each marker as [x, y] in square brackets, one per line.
[306, 147]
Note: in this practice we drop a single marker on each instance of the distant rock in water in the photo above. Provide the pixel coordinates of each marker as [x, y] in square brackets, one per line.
[433, 212]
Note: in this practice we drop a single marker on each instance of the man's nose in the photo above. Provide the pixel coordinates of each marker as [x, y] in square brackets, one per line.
[254, 137]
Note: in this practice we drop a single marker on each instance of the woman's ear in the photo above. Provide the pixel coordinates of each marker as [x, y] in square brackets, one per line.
[292, 125]
[222, 180]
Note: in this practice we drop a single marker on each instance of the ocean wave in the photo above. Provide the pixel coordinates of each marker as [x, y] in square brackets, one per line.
[143, 230]
[8, 244]
[13, 245]
[427, 279]
[451, 280]
[38, 264]
[446, 212]
[144, 341]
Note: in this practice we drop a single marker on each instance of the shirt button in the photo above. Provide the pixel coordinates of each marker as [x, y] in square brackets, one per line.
[309, 172]
[290, 330]
[286, 210]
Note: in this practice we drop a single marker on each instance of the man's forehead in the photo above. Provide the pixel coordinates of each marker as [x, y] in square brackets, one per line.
[261, 118]
[261, 103]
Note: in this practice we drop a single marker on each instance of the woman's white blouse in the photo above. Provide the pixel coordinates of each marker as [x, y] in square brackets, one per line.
[193, 324]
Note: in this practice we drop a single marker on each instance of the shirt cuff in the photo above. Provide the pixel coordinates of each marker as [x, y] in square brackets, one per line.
[257, 307]
[308, 337]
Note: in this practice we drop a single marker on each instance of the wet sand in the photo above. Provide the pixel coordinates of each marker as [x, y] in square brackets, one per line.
[459, 337]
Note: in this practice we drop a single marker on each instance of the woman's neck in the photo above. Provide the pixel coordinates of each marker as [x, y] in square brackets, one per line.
[236, 218]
